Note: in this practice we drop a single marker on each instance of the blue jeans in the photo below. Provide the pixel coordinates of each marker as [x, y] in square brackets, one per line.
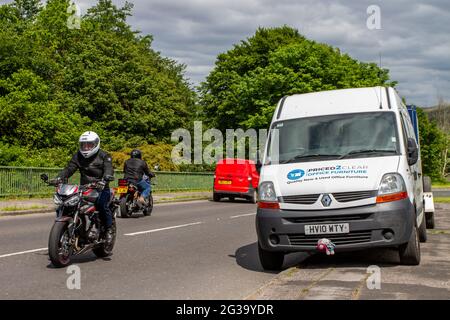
[144, 188]
[103, 207]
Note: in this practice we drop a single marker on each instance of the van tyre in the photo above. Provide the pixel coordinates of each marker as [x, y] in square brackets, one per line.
[254, 197]
[423, 230]
[216, 197]
[270, 260]
[429, 218]
[410, 252]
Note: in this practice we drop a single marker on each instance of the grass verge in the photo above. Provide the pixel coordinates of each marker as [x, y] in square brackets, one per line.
[21, 208]
[441, 199]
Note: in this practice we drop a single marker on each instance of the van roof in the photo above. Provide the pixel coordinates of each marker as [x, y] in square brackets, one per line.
[336, 102]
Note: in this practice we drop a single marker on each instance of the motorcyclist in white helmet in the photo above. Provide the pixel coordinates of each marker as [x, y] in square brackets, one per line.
[94, 165]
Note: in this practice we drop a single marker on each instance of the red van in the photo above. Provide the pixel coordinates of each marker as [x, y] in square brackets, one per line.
[236, 178]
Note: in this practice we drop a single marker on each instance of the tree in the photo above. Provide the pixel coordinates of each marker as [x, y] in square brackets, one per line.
[248, 80]
[56, 82]
[434, 146]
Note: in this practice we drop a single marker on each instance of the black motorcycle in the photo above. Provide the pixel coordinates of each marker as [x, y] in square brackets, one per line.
[77, 227]
[129, 194]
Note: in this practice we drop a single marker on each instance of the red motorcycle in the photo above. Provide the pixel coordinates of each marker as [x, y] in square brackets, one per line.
[77, 227]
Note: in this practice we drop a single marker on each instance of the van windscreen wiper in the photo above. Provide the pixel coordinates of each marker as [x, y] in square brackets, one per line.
[362, 151]
[311, 156]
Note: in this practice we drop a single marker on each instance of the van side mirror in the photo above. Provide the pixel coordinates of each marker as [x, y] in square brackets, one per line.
[413, 152]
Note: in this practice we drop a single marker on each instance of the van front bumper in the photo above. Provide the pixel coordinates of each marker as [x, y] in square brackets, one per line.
[379, 225]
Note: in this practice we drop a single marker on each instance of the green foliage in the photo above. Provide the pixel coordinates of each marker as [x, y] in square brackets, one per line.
[248, 80]
[57, 82]
[433, 143]
[157, 154]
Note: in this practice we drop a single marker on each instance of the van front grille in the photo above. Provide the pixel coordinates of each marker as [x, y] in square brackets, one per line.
[301, 199]
[338, 239]
[354, 196]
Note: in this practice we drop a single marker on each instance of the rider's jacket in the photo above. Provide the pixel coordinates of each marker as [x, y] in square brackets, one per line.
[91, 169]
[135, 168]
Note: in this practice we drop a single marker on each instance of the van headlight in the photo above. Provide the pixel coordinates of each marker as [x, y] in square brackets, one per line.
[267, 192]
[392, 188]
[391, 183]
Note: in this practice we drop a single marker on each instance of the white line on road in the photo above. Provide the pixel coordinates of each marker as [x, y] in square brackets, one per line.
[243, 215]
[22, 252]
[161, 229]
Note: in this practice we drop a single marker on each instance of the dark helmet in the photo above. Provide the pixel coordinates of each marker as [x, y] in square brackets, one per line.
[136, 154]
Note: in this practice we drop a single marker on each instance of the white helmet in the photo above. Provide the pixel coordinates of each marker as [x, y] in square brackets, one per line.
[89, 144]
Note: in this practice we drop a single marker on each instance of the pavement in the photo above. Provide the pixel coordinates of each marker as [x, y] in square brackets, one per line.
[350, 276]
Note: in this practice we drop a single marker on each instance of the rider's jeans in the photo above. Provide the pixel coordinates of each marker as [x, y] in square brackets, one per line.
[103, 207]
[144, 187]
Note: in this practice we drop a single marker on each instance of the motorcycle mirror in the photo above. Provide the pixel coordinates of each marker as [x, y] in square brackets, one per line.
[44, 177]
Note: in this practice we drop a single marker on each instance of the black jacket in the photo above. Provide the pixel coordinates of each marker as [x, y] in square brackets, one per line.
[91, 169]
[135, 168]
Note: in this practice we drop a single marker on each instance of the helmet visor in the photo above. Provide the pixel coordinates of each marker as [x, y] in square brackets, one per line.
[86, 146]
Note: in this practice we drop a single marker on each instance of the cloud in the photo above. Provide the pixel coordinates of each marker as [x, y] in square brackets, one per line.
[414, 40]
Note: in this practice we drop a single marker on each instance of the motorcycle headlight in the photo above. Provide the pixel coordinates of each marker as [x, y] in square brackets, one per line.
[267, 191]
[391, 183]
[72, 201]
[57, 200]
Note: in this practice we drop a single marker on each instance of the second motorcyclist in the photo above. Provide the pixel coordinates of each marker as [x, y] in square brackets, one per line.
[134, 170]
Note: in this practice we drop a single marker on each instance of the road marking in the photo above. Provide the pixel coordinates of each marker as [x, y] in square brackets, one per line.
[22, 252]
[162, 229]
[243, 215]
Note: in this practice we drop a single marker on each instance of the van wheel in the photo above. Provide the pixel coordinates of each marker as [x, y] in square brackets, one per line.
[423, 230]
[270, 260]
[429, 218]
[410, 251]
[426, 184]
[231, 198]
[216, 197]
[254, 197]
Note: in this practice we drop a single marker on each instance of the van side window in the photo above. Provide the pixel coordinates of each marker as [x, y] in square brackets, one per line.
[405, 132]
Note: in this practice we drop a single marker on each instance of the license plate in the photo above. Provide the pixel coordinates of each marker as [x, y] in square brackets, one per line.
[122, 189]
[327, 228]
[224, 182]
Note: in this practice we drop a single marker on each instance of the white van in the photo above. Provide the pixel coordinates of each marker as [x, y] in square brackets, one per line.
[343, 165]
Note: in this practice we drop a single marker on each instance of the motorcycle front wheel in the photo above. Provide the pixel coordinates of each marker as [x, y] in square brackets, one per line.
[59, 247]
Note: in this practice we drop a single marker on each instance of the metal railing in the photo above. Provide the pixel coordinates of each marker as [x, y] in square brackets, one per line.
[24, 181]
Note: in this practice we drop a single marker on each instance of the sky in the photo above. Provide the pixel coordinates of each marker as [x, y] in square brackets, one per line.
[413, 37]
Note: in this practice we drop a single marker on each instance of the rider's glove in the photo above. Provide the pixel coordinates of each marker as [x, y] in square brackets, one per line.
[101, 185]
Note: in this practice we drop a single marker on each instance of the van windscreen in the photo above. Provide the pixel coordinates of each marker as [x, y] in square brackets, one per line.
[333, 137]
